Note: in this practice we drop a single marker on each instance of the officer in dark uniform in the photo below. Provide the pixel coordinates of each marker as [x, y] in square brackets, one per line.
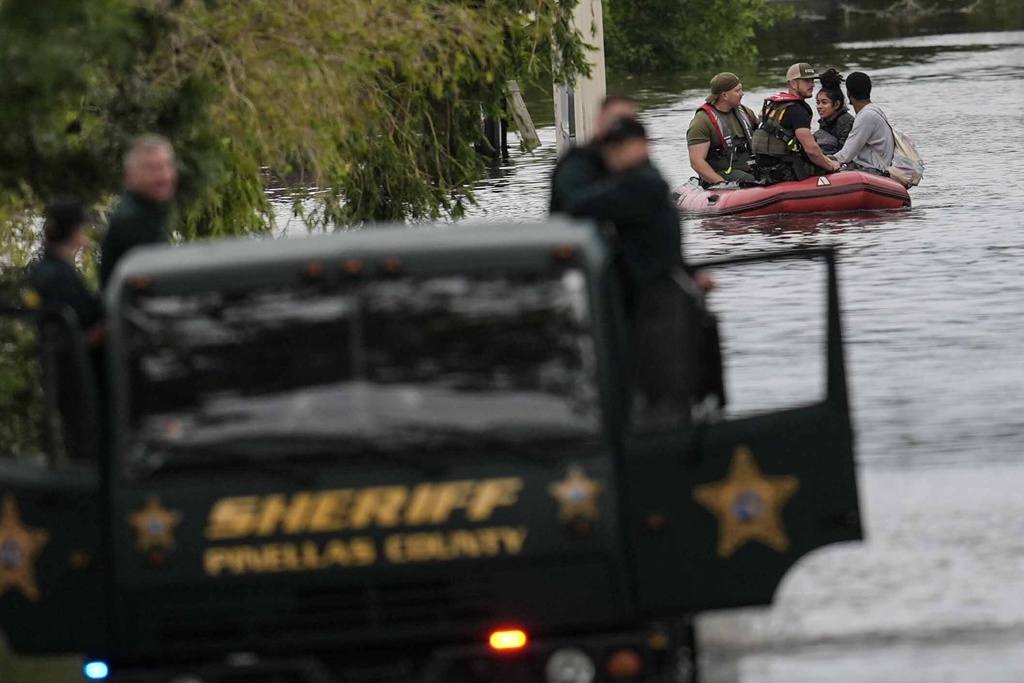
[53, 281]
[583, 165]
[53, 278]
[142, 215]
[636, 199]
[674, 362]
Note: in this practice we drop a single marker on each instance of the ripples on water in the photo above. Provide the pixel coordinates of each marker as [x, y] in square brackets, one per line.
[934, 313]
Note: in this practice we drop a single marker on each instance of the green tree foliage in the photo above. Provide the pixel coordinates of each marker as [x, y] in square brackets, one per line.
[377, 105]
[365, 110]
[22, 415]
[662, 35]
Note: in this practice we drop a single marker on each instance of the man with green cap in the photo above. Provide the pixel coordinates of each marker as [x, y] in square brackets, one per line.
[784, 146]
[720, 133]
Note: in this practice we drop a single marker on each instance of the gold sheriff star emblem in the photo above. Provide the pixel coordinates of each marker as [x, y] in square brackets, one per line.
[19, 546]
[748, 505]
[577, 495]
[155, 525]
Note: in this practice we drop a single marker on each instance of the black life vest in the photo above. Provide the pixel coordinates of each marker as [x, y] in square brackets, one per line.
[771, 129]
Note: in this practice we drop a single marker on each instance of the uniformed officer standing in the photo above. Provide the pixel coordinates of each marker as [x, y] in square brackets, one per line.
[53, 278]
[674, 361]
[635, 198]
[583, 165]
[142, 214]
[53, 281]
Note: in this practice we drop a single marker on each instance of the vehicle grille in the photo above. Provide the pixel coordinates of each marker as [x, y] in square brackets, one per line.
[268, 614]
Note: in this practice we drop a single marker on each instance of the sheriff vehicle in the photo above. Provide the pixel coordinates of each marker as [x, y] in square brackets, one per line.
[430, 454]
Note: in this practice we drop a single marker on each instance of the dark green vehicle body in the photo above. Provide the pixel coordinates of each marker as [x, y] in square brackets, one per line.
[353, 457]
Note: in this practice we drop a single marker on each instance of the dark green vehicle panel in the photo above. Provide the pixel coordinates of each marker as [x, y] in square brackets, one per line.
[51, 556]
[406, 437]
[250, 562]
[487, 357]
[748, 497]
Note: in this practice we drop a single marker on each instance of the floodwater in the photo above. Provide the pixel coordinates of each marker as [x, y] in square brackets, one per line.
[934, 314]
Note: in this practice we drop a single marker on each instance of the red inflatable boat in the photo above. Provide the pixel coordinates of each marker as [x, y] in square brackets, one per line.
[846, 191]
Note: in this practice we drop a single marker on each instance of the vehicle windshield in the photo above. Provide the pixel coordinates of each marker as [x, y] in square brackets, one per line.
[420, 365]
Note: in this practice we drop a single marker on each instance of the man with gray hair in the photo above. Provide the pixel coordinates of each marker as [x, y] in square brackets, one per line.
[141, 216]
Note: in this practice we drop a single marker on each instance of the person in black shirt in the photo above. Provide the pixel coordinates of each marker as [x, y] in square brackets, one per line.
[142, 215]
[53, 278]
[635, 198]
[673, 361]
[53, 281]
[581, 166]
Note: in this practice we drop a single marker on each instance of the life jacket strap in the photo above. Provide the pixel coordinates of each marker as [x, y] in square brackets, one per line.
[727, 144]
[771, 116]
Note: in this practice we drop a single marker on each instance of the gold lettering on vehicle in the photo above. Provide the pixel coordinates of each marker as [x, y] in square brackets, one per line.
[457, 544]
[381, 507]
[362, 551]
[358, 510]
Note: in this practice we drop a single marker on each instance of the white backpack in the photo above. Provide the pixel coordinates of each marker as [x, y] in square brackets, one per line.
[907, 166]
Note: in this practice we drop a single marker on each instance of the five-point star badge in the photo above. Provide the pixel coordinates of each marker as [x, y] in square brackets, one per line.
[577, 495]
[748, 505]
[19, 546]
[155, 525]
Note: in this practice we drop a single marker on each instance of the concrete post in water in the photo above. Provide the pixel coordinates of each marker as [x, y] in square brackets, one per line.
[521, 115]
[577, 104]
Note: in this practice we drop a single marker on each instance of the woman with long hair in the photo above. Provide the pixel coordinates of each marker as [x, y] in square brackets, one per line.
[836, 120]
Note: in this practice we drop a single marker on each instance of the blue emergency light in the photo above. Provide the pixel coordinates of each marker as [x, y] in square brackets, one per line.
[96, 671]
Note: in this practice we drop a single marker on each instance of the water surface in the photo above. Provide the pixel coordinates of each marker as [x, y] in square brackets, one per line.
[934, 314]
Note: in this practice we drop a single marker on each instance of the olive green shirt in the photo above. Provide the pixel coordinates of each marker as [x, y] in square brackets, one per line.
[703, 130]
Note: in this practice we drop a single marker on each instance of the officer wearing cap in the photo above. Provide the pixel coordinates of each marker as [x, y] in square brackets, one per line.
[636, 199]
[670, 367]
[784, 146]
[718, 139]
[582, 165]
[53, 278]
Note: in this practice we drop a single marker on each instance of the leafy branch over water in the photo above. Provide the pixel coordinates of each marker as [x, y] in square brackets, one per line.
[365, 110]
